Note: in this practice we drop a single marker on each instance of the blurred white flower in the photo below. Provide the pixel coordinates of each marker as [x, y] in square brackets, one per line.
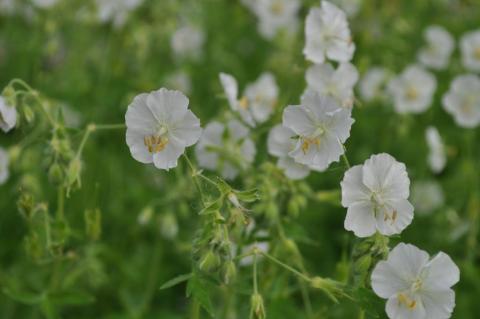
[4, 173]
[437, 158]
[470, 49]
[160, 126]
[258, 101]
[462, 100]
[416, 286]
[225, 148]
[7, 7]
[427, 196]
[351, 7]
[327, 35]
[372, 83]
[412, 91]
[321, 126]
[275, 15]
[280, 142]
[8, 115]
[440, 44]
[339, 83]
[116, 11]
[44, 3]
[376, 195]
[180, 80]
[187, 42]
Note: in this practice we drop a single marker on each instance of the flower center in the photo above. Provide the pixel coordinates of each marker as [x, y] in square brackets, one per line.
[407, 301]
[243, 102]
[476, 53]
[314, 139]
[157, 142]
[277, 7]
[411, 94]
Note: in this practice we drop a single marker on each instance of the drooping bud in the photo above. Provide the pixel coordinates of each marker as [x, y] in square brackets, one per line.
[230, 271]
[209, 261]
[169, 226]
[257, 307]
[93, 223]
[55, 174]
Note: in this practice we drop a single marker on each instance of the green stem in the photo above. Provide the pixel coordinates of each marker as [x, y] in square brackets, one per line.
[195, 177]
[255, 283]
[60, 203]
[195, 310]
[287, 267]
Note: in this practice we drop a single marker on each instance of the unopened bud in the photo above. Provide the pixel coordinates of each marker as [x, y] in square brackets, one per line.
[73, 173]
[257, 308]
[55, 174]
[28, 113]
[209, 261]
[93, 223]
[230, 272]
[169, 226]
[145, 216]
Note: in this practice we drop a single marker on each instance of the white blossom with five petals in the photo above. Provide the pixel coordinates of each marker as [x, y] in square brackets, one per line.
[415, 286]
[470, 49]
[321, 126]
[160, 126]
[327, 35]
[437, 157]
[462, 100]
[376, 195]
[440, 44]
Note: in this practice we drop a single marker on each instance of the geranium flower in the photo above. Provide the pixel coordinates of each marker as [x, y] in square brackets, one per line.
[427, 196]
[372, 83]
[160, 126]
[412, 91]
[274, 15]
[416, 286]
[321, 126]
[376, 195]
[187, 42]
[225, 148]
[180, 80]
[437, 159]
[462, 100]
[440, 44]
[258, 101]
[4, 173]
[281, 141]
[327, 35]
[470, 49]
[8, 115]
[339, 83]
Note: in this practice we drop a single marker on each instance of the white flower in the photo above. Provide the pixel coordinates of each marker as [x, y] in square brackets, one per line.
[339, 83]
[327, 35]
[181, 81]
[462, 100]
[350, 7]
[225, 148]
[258, 101]
[280, 143]
[372, 83]
[275, 15]
[262, 246]
[416, 286]
[439, 48]
[437, 159]
[7, 7]
[44, 3]
[160, 126]
[413, 90]
[427, 196]
[470, 48]
[187, 42]
[116, 11]
[321, 126]
[4, 174]
[8, 115]
[376, 195]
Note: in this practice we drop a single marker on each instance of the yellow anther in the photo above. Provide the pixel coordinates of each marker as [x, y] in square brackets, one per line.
[412, 93]
[277, 7]
[155, 143]
[243, 102]
[407, 301]
[476, 53]
[307, 142]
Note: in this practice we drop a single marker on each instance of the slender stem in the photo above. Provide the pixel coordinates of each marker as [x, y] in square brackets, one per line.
[195, 310]
[287, 267]
[88, 131]
[60, 203]
[109, 126]
[255, 283]
[195, 177]
[345, 160]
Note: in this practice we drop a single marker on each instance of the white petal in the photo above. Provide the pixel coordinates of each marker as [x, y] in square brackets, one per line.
[439, 304]
[139, 117]
[353, 189]
[407, 261]
[360, 219]
[441, 273]
[168, 157]
[188, 129]
[139, 151]
[297, 119]
[394, 217]
[230, 86]
[292, 169]
[167, 106]
[280, 141]
[237, 130]
[387, 281]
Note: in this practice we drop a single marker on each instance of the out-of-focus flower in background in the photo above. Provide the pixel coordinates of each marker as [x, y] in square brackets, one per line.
[470, 48]
[372, 83]
[462, 100]
[4, 161]
[437, 157]
[8, 115]
[427, 196]
[439, 47]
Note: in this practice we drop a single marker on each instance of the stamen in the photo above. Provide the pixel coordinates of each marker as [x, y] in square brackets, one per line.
[476, 53]
[243, 102]
[307, 142]
[407, 301]
[155, 143]
[412, 93]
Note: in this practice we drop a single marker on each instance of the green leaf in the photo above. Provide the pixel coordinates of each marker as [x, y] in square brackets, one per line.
[175, 281]
[28, 298]
[198, 290]
[248, 196]
[71, 298]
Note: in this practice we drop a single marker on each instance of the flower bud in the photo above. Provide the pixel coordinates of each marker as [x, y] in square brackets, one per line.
[209, 261]
[169, 226]
[230, 272]
[145, 216]
[55, 174]
[257, 308]
[73, 172]
[28, 113]
[93, 223]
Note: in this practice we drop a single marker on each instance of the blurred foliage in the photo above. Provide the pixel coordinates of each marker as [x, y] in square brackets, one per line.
[104, 263]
